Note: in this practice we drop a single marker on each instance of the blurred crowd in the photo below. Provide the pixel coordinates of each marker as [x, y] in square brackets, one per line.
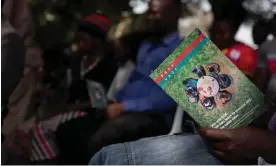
[66, 110]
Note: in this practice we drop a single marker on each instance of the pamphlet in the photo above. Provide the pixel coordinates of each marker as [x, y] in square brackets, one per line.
[212, 90]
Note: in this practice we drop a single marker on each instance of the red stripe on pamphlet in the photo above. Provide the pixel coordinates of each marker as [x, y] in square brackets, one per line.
[179, 58]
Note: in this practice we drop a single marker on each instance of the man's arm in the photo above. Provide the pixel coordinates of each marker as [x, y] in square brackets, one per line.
[158, 100]
[12, 61]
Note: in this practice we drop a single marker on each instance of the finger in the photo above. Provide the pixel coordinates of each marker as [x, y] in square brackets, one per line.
[220, 154]
[222, 146]
[214, 134]
[112, 101]
[224, 158]
[108, 113]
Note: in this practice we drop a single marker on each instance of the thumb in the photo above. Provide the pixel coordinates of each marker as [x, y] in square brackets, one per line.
[214, 134]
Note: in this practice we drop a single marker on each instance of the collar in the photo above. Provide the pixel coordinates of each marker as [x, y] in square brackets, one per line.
[168, 39]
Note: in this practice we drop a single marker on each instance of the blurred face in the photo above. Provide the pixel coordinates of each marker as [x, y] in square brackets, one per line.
[220, 34]
[88, 44]
[260, 34]
[161, 14]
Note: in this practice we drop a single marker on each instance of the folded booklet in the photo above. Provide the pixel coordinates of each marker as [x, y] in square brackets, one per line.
[200, 78]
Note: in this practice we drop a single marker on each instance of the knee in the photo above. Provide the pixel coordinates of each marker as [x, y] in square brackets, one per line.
[113, 154]
[97, 159]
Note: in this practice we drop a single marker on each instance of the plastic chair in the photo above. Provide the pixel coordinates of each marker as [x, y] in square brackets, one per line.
[178, 117]
[177, 122]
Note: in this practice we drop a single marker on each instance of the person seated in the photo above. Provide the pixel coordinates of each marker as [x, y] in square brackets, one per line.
[126, 49]
[93, 57]
[91, 61]
[223, 35]
[199, 71]
[224, 96]
[252, 144]
[141, 106]
[266, 66]
[213, 69]
[208, 103]
[58, 121]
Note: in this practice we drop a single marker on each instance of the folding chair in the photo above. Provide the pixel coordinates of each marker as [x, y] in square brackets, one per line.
[177, 122]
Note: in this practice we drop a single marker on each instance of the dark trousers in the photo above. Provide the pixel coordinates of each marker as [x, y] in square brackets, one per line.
[80, 139]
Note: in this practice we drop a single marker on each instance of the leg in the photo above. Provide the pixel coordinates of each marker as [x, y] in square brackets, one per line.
[165, 150]
[127, 127]
[72, 138]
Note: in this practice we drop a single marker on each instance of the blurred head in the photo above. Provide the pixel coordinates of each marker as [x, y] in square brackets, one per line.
[163, 15]
[89, 44]
[126, 47]
[260, 32]
[185, 82]
[223, 33]
[189, 90]
[92, 32]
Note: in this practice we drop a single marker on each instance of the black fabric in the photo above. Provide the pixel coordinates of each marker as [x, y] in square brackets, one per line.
[127, 127]
[79, 139]
[12, 64]
[104, 72]
[78, 91]
[72, 137]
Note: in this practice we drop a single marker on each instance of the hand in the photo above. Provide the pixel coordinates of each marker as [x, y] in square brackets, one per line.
[112, 101]
[113, 110]
[243, 145]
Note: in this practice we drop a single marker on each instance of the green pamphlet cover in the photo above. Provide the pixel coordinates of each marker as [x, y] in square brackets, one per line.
[200, 78]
